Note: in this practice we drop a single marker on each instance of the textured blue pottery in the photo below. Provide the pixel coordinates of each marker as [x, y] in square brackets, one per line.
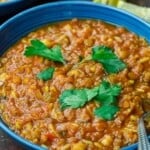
[23, 23]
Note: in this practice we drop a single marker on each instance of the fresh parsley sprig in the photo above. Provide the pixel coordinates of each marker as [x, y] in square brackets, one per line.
[76, 98]
[46, 74]
[110, 61]
[37, 48]
[106, 94]
[107, 97]
[106, 112]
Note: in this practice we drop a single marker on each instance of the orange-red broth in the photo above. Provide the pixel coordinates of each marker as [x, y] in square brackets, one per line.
[30, 106]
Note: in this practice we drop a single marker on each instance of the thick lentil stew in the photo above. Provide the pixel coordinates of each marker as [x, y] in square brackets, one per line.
[76, 85]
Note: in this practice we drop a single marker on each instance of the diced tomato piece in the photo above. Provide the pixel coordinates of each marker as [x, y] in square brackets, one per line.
[50, 136]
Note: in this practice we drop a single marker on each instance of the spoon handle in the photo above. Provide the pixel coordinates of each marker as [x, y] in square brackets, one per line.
[143, 140]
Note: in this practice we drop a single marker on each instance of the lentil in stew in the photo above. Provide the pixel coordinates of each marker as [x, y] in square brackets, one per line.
[30, 106]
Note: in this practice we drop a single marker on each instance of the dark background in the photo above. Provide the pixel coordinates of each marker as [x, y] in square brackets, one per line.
[12, 11]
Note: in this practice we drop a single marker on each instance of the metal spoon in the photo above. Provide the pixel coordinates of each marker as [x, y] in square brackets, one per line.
[143, 139]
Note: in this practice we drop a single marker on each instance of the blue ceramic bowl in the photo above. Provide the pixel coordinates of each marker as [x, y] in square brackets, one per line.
[29, 20]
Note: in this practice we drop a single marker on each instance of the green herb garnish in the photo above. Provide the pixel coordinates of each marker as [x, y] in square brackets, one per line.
[110, 62]
[76, 98]
[107, 96]
[38, 48]
[106, 112]
[91, 93]
[107, 93]
[46, 74]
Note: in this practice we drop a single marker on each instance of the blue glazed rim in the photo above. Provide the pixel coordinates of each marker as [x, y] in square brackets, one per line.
[18, 26]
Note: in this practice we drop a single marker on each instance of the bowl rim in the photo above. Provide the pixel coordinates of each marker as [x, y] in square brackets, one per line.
[3, 126]
[118, 10]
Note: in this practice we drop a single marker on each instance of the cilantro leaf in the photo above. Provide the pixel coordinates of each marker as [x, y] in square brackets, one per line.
[107, 93]
[106, 112]
[37, 48]
[91, 93]
[72, 99]
[46, 74]
[110, 62]
[76, 98]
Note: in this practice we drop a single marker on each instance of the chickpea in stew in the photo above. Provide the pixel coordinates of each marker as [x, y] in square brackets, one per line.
[76, 85]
